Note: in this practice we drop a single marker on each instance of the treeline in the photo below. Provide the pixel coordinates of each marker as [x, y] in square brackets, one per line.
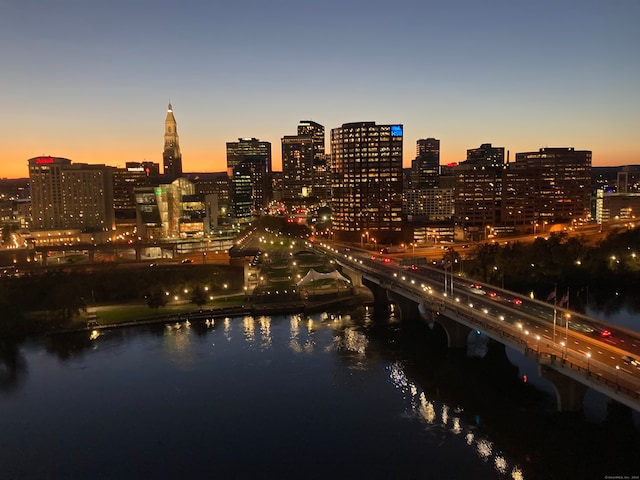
[605, 276]
[60, 294]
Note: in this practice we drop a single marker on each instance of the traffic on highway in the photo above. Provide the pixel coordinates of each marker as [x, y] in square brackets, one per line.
[604, 349]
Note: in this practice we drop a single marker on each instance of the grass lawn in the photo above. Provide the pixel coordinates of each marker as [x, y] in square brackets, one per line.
[111, 314]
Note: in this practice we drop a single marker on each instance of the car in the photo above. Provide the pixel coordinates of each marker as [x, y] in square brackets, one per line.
[477, 289]
[516, 301]
[604, 333]
[580, 327]
[493, 295]
[187, 260]
[629, 360]
[386, 260]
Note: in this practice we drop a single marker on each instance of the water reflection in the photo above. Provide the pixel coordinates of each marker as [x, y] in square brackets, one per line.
[13, 367]
[249, 330]
[265, 333]
[427, 410]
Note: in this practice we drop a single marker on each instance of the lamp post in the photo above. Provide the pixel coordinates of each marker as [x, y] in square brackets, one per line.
[618, 376]
[538, 344]
[588, 359]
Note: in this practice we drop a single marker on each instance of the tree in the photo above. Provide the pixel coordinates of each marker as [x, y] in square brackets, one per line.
[199, 296]
[156, 299]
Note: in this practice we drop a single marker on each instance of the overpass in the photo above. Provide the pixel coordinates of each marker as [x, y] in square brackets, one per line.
[574, 352]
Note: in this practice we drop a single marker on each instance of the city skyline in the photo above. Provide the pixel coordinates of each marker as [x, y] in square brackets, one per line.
[92, 82]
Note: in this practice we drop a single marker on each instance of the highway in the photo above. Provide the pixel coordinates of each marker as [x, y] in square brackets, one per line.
[603, 351]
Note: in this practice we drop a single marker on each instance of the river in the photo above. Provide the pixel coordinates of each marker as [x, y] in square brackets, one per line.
[321, 396]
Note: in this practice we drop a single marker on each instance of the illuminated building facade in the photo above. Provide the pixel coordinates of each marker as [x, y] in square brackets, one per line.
[425, 168]
[249, 170]
[135, 174]
[68, 196]
[321, 183]
[478, 190]
[366, 180]
[171, 156]
[428, 204]
[297, 166]
[163, 211]
[486, 154]
[553, 185]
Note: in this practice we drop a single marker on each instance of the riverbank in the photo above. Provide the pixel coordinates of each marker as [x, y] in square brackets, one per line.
[120, 316]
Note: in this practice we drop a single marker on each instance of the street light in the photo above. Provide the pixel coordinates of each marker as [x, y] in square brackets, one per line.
[618, 376]
[588, 359]
[538, 346]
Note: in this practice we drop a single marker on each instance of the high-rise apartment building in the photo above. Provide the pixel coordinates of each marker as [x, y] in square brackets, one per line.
[70, 196]
[366, 181]
[552, 184]
[425, 168]
[171, 156]
[249, 170]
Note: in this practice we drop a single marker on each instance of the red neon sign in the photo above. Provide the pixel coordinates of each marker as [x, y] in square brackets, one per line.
[44, 160]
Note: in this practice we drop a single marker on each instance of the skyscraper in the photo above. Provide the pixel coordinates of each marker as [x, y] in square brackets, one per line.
[297, 166]
[425, 168]
[249, 170]
[171, 156]
[321, 183]
[367, 181]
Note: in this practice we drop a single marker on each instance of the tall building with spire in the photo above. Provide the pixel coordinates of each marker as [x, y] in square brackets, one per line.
[171, 157]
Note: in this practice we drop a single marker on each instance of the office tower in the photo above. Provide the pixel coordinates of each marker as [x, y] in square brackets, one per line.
[135, 174]
[486, 154]
[297, 166]
[367, 181]
[321, 183]
[552, 185]
[249, 170]
[478, 191]
[425, 168]
[171, 156]
[65, 195]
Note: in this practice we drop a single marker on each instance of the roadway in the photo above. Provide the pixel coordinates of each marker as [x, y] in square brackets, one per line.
[591, 345]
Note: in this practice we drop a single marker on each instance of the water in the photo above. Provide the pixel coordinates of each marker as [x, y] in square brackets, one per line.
[282, 397]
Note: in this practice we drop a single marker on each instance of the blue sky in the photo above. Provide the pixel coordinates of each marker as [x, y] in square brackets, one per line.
[90, 81]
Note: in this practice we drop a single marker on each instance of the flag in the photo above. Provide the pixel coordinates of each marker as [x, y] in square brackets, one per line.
[564, 300]
[551, 296]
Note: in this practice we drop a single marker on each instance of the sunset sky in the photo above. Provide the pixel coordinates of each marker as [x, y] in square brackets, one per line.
[91, 81]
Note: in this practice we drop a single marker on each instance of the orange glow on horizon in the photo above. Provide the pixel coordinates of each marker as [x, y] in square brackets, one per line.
[206, 159]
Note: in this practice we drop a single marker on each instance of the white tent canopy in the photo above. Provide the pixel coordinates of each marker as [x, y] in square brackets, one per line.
[315, 275]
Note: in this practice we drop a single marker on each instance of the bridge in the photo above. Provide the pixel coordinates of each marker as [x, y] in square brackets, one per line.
[574, 352]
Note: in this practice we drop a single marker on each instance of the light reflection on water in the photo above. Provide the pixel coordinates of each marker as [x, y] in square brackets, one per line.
[426, 409]
[336, 341]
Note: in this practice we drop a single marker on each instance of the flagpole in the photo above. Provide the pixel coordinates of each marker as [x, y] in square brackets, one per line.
[555, 291]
